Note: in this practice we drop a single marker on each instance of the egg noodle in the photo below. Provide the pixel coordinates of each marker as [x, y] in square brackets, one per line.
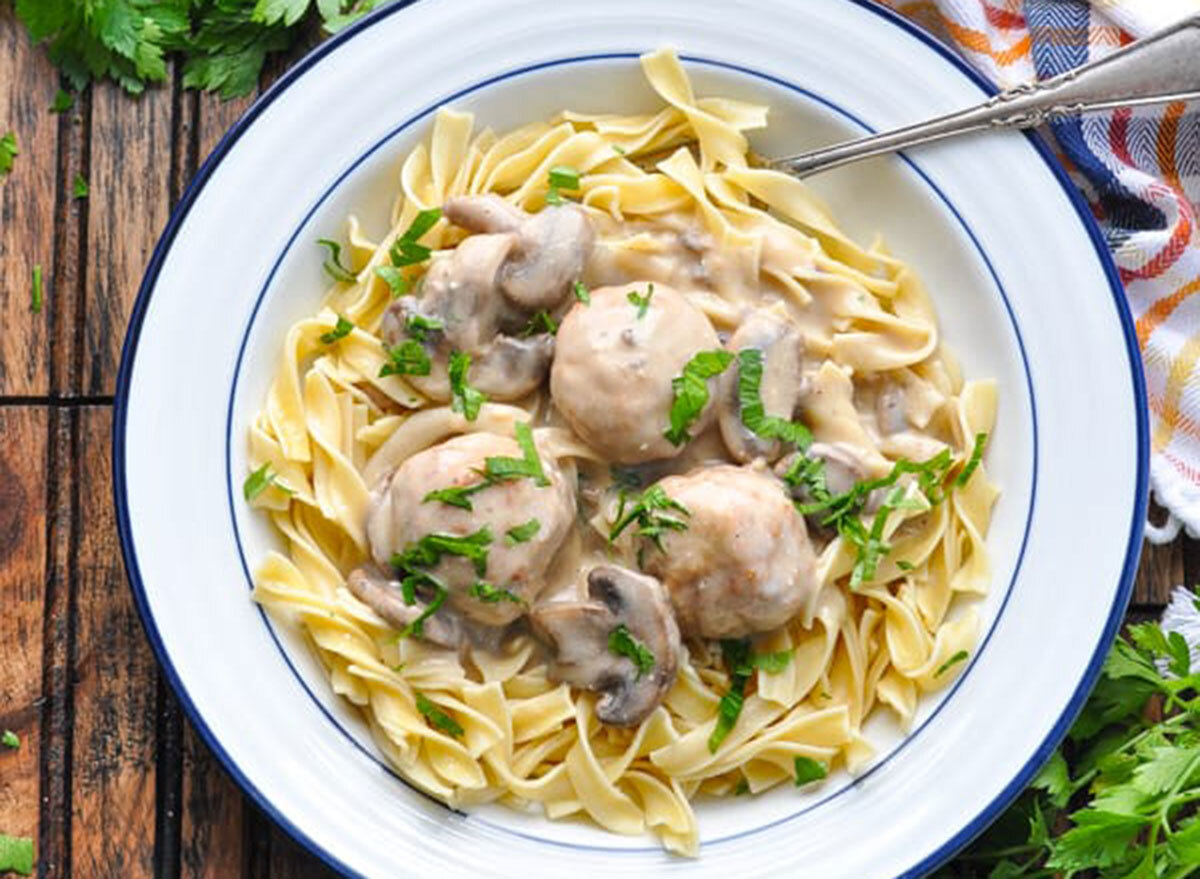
[332, 427]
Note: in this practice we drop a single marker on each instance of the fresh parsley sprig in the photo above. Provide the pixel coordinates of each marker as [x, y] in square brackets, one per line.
[522, 533]
[464, 398]
[690, 389]
[438, 718]
[407, 358]
[753, 412]
[500, 468]
[561, 177]
[621, 642]
[407, 250]
[262, 478]
[333, 262]
[341, 330]
[489, 594]
[740, 662]
[639, 301]
[653, 512]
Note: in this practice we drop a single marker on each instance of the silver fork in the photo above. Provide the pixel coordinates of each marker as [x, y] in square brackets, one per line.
[1161, 68]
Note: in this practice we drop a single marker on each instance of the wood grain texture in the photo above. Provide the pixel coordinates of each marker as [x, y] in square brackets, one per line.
[22, 568]
[131, 160]
[290, 861]
[27, 199]
[1161, 570]
[213, 833]
[113, 755]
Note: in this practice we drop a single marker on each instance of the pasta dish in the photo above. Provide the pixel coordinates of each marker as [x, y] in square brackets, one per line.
[615, 475]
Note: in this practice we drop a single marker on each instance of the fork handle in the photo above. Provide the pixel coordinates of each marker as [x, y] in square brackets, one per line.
[1161, 68]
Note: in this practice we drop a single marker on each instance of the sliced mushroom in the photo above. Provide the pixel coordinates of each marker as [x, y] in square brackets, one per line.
[382, 594]
[550, 249]
[778, 338]
[579, 633]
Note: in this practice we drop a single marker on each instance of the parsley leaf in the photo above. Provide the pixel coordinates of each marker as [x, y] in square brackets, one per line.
[438, 718]
[79, 187]
[405, 250]
[541, 322]
[581, 293]
[489, 594]
[8, 152]
[529, 464]
[407, 358]
[691, 391]
[622, 643]
[772, 663]
[464, 398]
[753, 412]
[258, 481]
[340, 331]
[395, 280]
[333, 262]
[641, 303]
[455, 496]
[10, 739]
[16, 854]
[522, 533]
[63, 101]
[737, 661]
[428, 551]
[652, 513]
[561, 177]
[976, 456]
[808, 770]
[419, 326]
[950, 663]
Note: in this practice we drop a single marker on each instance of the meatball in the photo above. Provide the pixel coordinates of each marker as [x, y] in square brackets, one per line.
[400, 516]
[613, 366]
[744, 564]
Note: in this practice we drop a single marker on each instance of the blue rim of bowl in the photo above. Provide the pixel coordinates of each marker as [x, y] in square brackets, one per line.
[121, 404]
[421, 116]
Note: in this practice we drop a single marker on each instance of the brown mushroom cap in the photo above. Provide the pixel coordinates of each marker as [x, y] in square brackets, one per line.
[579, 631]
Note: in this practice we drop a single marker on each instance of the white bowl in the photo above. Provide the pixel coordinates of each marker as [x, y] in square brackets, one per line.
[1023, 286]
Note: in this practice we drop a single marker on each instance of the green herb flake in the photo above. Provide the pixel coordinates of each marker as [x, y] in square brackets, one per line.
[621, 151]
[753, 412]
[35, 291]
[419, 326]
[501, 468]
[438, 718]
[742, 788]
[950, 663]
[464, 398]
[729, 709]
[406, 250]
[582, 293]
[16, 854]
[8, 152]
[457, 496]
[63, 101]
[429, 550]
[808, 770]
[690, 389]
[258, 481]
[489, 594]
[641, 303]
[653, 512]
[621, 642]
[541, 322]
[407, 358]
[10, 739]
[973, 464]
[522, 533]
[564, 177]
[79, 187]
[772, 663]
[341, 330]
[905, 566]
[333, 262]
[395, 279]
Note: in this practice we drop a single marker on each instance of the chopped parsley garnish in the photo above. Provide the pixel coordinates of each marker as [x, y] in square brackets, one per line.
[456, 496]
[742, 788]
[950, 663]
[620, 151]
[873, 548]
[561, 177]
[79, 187]
[691, 391]
[754, 416]
[464, 398]
[741, 662]
[438, 718]
[653, 514]
[541, 322]
[395, 280]
[973, 464]
[581, 293]
[10, 739]
[419, 326]
[808, 770]
[405, 250]
[529, 464]
[489, 594]
[8, 152]
[641, 303]
[522, 533]
[622, 643]
[407, 358]
[63, 101]
[35, 291]
[428, 551]
[340, 331]
[905, 566]
[333, 262]
[258, 481]
[16, 854]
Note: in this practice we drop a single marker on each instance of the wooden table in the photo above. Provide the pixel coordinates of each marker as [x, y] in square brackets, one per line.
[110, 779]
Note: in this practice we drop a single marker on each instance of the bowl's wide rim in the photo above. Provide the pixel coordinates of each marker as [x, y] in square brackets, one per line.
[227, 142]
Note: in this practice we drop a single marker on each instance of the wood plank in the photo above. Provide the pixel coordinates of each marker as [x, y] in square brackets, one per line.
[214, 118]
[113, 777]
[22, 570]
[27, 198]
[131, 189]
[289, 860]
[213, 816]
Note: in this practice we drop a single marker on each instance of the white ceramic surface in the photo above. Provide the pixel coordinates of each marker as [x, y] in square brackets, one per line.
[1022, 289]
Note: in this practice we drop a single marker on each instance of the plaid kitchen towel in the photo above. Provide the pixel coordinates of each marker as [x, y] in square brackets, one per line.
[1140, 172]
